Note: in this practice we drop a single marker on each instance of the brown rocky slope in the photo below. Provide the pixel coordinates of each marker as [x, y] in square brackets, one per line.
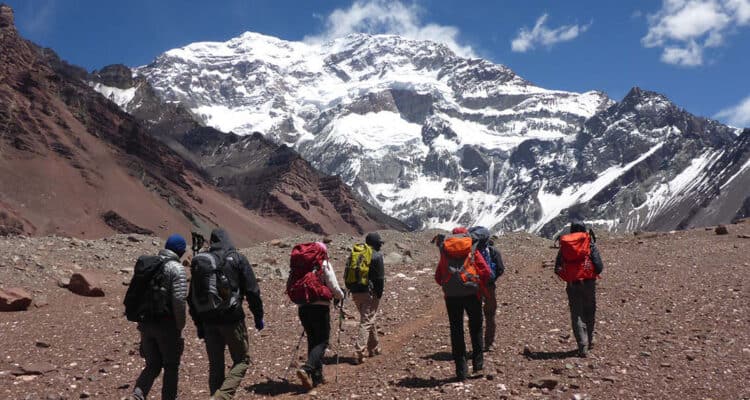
[672, 323]
[74, 164]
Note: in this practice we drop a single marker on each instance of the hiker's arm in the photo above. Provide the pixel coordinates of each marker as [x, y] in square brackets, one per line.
[194, 313]
[331, 281]
[252, 290]
[377, 275]
[440, 270]
[558, 262]
[498, 260]
[179, 292]
[482, 267]
[596, 259]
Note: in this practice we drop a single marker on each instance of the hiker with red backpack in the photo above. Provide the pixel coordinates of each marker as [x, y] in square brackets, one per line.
[494, 260]
[220, 279]
[156, 301]
[579, 264]
[364, 277]
[311, 285]
[463, 275]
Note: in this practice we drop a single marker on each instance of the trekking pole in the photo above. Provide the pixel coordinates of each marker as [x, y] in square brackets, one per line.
[294, 356]
[338, 340]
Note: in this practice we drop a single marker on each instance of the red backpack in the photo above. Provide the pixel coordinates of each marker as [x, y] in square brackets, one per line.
[305, 284]
[463, 278]
[575, 249]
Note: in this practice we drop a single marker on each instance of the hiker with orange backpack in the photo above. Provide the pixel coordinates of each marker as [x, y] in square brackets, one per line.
[311, 285]
[579, 264]
[463, 274]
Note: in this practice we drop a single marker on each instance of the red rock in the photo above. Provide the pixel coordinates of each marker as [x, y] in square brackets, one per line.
[14, 299]
[84, 284]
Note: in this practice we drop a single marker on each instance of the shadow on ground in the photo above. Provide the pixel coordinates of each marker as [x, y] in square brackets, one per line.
[275, 387]
[549, 355]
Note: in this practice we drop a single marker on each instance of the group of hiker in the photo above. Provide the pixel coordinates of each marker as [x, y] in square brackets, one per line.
[221, 277]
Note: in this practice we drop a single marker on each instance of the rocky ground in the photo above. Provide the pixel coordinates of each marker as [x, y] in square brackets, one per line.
[673, 323]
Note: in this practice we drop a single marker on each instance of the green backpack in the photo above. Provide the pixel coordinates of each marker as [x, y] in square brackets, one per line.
[358, 266]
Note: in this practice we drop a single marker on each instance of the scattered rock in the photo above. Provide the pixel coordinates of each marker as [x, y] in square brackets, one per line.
[721, 230]
[743, 236]
[609, 379]
[548, 382]
[34, 368]
[14, 299]
[84, 284]
[42, 344]
[134, 239]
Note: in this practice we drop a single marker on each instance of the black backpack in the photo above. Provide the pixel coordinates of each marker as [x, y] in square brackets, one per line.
[147, 298]
[214, 286]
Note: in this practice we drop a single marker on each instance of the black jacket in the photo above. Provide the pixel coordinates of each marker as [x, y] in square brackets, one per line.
[596, 259]
[498, 260]
[376, 276]
[221, 246]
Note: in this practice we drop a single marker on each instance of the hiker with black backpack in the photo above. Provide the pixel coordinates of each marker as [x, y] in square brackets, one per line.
[463, 276]
[311, 285]
[494, 260]
[364, 277]
[579, 264]
[156, 300]
[220, 279]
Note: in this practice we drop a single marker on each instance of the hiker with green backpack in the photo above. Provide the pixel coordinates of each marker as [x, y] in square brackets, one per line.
[364, 277]
[155, 299]
[463, 275]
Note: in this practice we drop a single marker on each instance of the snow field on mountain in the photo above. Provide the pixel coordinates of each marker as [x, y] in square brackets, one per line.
[121, 97]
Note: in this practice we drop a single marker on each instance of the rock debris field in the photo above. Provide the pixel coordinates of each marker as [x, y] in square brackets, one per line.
[673, 323]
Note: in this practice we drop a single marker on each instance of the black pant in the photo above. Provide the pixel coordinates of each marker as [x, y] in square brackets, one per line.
[316, 319]
[582, 303]
[161, 347]
[473, 307]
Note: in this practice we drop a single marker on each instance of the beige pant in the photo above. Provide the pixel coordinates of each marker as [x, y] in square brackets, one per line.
[368, 329]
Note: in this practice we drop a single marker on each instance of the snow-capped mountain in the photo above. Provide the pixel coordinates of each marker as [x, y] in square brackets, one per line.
[438, 140]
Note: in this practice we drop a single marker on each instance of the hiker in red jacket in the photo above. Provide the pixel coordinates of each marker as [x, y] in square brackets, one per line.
[579, 264]
[464, 275]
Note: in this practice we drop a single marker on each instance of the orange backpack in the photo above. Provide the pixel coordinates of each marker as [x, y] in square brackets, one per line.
[462, 267]
[575, 249]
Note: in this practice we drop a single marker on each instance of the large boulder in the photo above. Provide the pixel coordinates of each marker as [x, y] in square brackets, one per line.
[85, 284]
[14, 299]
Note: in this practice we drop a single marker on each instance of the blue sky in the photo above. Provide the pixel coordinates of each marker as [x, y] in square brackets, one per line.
[697, 52]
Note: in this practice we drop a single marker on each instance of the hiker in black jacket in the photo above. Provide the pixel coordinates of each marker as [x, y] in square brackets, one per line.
[581, 286]
[224, 327]
[367, 299]
[494, 260]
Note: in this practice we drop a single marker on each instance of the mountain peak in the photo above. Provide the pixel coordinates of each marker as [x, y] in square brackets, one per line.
[6, 17]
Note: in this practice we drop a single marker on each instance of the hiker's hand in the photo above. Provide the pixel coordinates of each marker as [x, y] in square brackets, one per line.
[259, 325]
[187, 261]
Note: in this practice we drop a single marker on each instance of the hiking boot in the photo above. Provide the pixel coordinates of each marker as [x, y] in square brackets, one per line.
[582, 351]
[374, 352]
[478, 365]
[591, 346]
[359, 357]
[317, 378]
[462, 370]
[305, 378]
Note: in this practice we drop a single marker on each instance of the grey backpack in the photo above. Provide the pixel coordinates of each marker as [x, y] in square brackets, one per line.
[213, 283]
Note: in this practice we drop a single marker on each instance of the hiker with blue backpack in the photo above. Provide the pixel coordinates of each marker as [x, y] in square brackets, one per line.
[156, 301]
[220, 279]
[463, 275]
[491, 255]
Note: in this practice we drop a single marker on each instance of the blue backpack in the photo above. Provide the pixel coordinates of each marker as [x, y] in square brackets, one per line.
[481, 236]
[488, 259]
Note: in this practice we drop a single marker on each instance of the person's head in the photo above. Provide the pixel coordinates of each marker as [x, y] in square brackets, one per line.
[374, 240]
[220, 240]
[577, 226]
[459, 230]
[480, 235]
[177, 244]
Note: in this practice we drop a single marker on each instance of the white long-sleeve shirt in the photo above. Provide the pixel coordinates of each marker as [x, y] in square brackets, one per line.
[329, 279]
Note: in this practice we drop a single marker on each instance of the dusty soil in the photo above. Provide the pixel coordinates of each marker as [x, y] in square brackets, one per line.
[673, 323]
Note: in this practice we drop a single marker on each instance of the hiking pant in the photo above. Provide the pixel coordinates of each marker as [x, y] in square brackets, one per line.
[368, 329]
[161, 347]
[582, 302]
[473, 307]
[489, 308]
[316, 319]
[234, 337]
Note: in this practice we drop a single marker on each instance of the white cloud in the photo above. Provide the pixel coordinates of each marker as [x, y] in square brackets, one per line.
[390, 17]
[685, 28]
[542, 35]
[738, 115]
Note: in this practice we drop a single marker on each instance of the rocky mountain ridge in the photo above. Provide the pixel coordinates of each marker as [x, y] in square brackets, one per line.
[438, 140]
